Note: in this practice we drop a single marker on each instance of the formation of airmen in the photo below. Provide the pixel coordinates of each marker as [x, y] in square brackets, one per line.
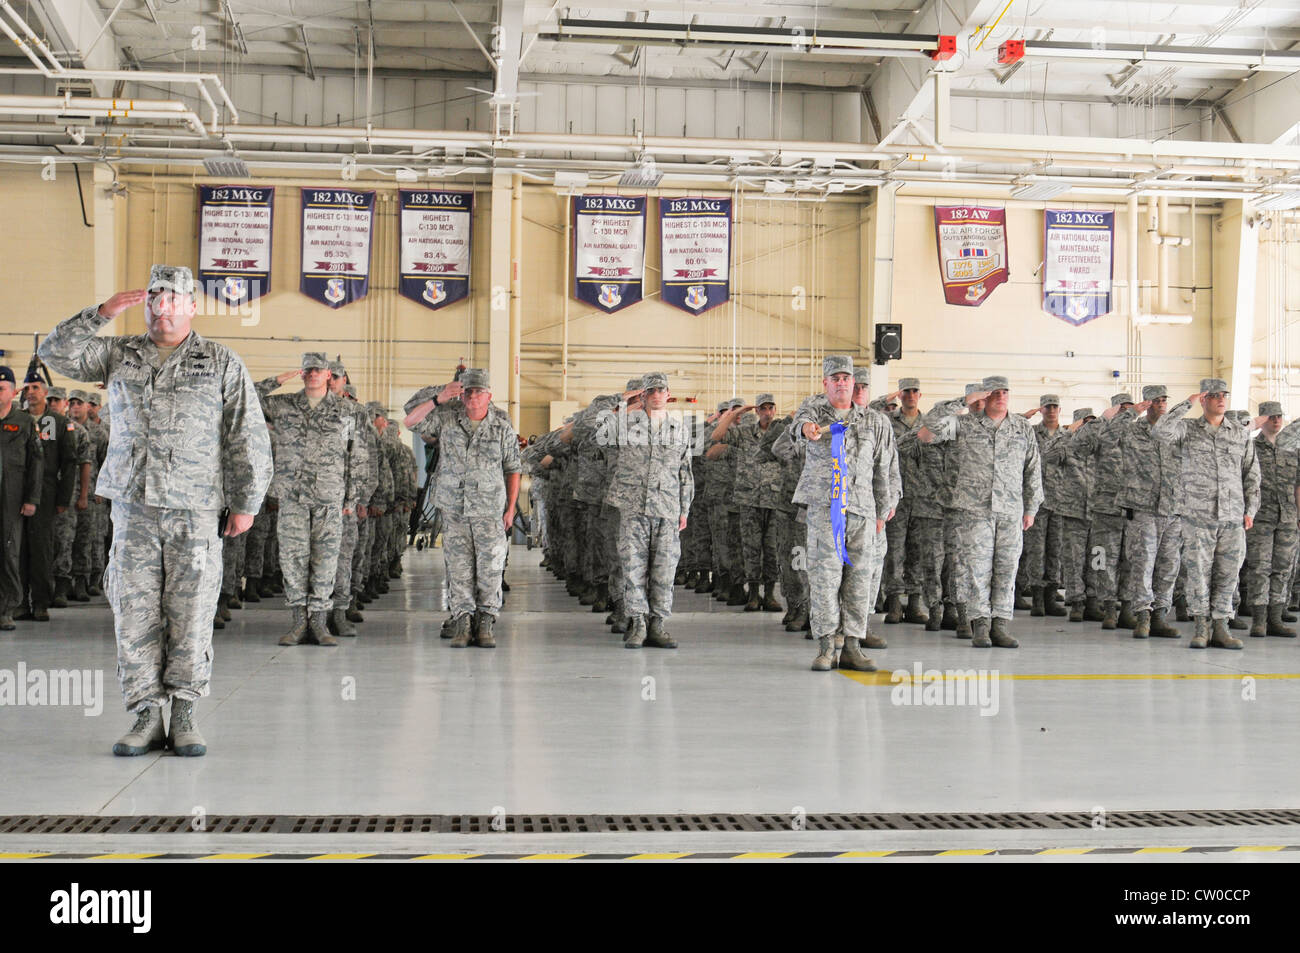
[223, 492]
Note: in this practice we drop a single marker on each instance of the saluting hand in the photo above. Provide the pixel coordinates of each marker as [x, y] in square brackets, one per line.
[1141, 407]
[450, 392]
[1031, 412]
[121, 301]
[977, 396]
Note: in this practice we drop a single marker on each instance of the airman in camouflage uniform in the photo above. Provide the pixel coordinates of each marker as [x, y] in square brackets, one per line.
[361, 443]
[102, 528]
[85, 517]
[842, 594]
[998, 487]
[318, 466]
[1219, 498]
[1040, 564]
[1074, 482]
[718, 483]
[187, 439]
[1098, 442]
[65, 522]
[1272, 541]
[955, 617]
[904, 571]
[792, 530]
[652, 486]
[476, 490]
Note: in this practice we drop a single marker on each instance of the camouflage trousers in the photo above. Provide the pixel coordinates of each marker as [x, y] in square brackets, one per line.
[88, 541]
[232, 563]
[1074, 558]
[901, 574]
[1212, 557]
[758, 543]
[398, 533]
[1105, 556]
[990, 553]
[648, 548]
[595, 568]
[259, 539]
[163, 579]
[309, 553]
[349, 529]
[697, 549]
[65, 531]
[361, 555]
[792, 550]
[379, 546]
[614, 579]
[951, 578]
[1270, 561]
[720, 542]
[926, 535]
[574, 522]
[1040, 563]
[841, 597]
[474, 553]
[1152, 546]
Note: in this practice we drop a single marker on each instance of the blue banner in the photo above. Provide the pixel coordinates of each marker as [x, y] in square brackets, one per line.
[337, 225]
[435, 240]
[839, 503]
[1078, 264]
[609, 250]
[695, 244]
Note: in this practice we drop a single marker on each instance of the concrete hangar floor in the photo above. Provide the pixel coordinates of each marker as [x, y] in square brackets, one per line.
[558, 744]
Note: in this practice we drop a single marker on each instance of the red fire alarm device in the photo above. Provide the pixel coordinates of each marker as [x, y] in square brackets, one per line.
[1010, 51]
[946, 48]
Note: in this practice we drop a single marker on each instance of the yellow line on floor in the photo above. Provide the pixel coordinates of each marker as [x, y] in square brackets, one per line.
[864, 853]
[939, 675]
[658, 856]
[964, 853]
[337, 857]
[1066, 850]
[122, 856]
[22, 856]
[233, 856]
[445, 857]
[551, 856]
[1255, 847]
[1161, 850]
[760, 855]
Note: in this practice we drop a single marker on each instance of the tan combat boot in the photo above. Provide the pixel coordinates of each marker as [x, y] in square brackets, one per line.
[1221, 638]
[185, 739]
[317, 630]
[636, 632]
[893, 609]
[852, 659]
[483, 636]
[979, 629]
[825, 659]
[460, 631]
[1276, 622]
[1142, 624]
[915, 614]
[147, 734]
[999, 635]
[1259, 621]
[656, 637]
[1160, 628]
[1201, 634]
[297, 628]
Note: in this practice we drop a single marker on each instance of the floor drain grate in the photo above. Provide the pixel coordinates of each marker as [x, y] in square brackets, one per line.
[632, 823]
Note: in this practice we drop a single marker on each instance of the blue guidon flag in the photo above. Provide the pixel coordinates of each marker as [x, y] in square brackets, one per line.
[337, 225]
[1078, 263]
[609, 250]
[435, 245]
[839, 502]
[695, 238]
[235, 242]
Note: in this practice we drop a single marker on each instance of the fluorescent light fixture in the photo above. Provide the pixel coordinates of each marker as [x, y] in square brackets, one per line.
[571, 180]
[227, 167]
[1037, 191]
[403, 174]
[774, 187]
[641, 177]
[1277, 201]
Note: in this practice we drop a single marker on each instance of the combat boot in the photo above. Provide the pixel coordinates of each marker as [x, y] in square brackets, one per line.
[1076, 611]
[738, 596]
[949, 622]
[619, 624]
[893, 609]
[483, 636]
[444, 630]
[679, 579]
[1287, 616]
[1052, 603]
[266, 587]
[798, 619]
[602, 598]
[217, 621]
[62, 586]
[1038, 607]
[251, 585]
[573, 586]
[318, 630]
[185, 740]
[873, 641]
[1022, 602]
[79, 590]
[381, 585]
[915, 614]
[852, 659]
[770, 603]
[1294, 604]
[588, 595]
[721, 586]
[1201, 634]
[7, 622]
[704, 583]
[147, 734]
[1160, 628]
[1126, 618]
[1180, 609]
[979, 630]
[223, 609]
[92, 587]
[1142, 624]
[963, 630]
[825, 659]
[1259, 622]
[232, 600]
[460, 631]
[1000, 636]
[1276, 624]
[341, 624]
[354, 612]
[935, 621]
[1108, 616]
[656, 637]
[298, 627]
[789, 611]
[636, 633]
[1092, 610]
[1221, 638]
[1236, 623]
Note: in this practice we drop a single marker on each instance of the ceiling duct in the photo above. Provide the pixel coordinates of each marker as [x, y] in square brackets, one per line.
[226, 167]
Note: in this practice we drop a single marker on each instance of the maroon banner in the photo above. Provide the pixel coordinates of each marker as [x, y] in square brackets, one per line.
[972, 244]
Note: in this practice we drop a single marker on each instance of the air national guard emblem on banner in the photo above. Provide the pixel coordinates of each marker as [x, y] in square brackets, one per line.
[435, 292]
[696, 297]
[610, 297]
[234, 290]
[335, 290]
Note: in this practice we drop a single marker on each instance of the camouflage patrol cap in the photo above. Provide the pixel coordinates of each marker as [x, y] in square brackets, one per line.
[635, 383]
[1213, 385]
[350, 390]
[475, 377]
[1049, 400]
[736, 402]
[1123, 397]
[1240, 416]
[655, 379]
[1270, 408]
[1154, 392]
[176, 278]
[58, 393]
[1083, 413]
[837, 364]
[762, 399]
[78, 395]
[995, 382]
[93, 398]
[909, 383]
[315, 361]
[376, 409]
[723, 405]
[972, 388]
[862, 375]
[337, 369]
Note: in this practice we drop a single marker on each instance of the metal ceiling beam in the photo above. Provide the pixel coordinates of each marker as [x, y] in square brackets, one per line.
[73, 26]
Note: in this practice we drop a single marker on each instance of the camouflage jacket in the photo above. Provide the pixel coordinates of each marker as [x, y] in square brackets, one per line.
[472, 461]
[317, 458]
[872, 485]
[590, 447]
[1051, 473]
[1072, 473]
[652, 476]
[409, 469]
[1152, 476]
[1220, 469]
[916, 488]
[758, 476]
[791, 463]
[187, 432]
[1098, 441]
[1279, 473]
[998, 469]
[85, 456]
[929, 478]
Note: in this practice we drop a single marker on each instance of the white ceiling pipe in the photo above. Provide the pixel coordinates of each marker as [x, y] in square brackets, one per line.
[4, 25]
[199, 80]
[55, 65]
